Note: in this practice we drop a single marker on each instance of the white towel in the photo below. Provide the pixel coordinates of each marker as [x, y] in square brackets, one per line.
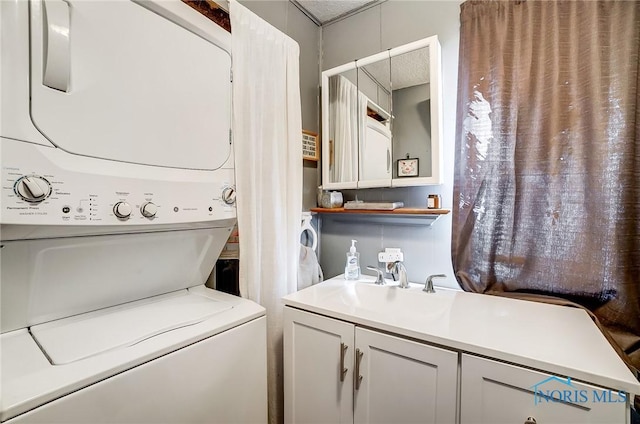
[309, 271]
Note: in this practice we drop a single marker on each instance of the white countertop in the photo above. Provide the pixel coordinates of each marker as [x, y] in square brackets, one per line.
[555, 339]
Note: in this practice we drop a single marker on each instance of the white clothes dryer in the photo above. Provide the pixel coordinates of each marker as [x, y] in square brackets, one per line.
[116, 200]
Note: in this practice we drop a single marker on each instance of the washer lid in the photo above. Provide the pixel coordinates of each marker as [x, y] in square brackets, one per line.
[81, 336]
[114, 80]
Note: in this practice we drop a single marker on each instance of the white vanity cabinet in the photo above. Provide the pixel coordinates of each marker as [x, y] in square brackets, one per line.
[356, 352]
[497, 393]
[337, 372]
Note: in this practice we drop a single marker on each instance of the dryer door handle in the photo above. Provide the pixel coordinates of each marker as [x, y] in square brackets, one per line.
[57, 58]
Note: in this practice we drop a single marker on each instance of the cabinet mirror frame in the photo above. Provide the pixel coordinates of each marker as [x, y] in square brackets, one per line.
[435, 96]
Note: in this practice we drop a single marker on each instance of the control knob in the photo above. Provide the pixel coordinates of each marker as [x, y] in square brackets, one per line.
[32, 188]
[229, 195]
[148, 210]
[122, 210]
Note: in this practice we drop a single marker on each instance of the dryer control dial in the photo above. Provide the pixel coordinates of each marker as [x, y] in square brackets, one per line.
[148, 210]
[229, 195]
[32, 188]
[122, 210]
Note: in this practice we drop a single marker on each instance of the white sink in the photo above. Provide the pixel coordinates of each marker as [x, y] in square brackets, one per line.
[388, 304]
[389, 299]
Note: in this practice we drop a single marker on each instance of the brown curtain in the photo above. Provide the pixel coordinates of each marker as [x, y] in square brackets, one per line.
[547, 177]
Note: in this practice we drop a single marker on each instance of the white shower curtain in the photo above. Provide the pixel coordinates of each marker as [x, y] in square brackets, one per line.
[267, 127]
[347, 112]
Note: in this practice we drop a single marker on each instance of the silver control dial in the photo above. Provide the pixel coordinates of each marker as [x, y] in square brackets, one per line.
[148, 210]
[229, 195]
[122, 210]
[32, 188]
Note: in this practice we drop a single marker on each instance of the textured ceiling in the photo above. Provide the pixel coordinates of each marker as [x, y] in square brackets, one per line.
[325, 11]
[410, 69]
[402, 71]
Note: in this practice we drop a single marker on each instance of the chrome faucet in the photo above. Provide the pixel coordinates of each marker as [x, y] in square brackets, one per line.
[399, 273]
[380, 274]
[428, 286]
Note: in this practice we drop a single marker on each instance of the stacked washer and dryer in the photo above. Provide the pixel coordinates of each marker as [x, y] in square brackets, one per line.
[117, 198]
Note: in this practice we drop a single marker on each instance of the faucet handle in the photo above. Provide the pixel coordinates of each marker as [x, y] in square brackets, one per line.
[380, 274]
[428, 286]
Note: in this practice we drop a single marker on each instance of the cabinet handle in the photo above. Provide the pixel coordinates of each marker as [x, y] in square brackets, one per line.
[530, 420]
[357, 376]
[343, 351]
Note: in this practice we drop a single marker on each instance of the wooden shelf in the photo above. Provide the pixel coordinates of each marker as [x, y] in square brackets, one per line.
[400, 216]
[399, 211]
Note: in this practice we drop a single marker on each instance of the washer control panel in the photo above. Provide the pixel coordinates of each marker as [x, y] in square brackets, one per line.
[46, 186]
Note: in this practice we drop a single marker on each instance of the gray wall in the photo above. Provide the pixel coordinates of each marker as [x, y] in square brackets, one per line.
[288, 19]
[427, 249]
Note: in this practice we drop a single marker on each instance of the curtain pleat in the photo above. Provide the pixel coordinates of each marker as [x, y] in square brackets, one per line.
[547, 175]
[267, 126]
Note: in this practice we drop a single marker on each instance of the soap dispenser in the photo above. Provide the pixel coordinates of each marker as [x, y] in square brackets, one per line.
[352, 268]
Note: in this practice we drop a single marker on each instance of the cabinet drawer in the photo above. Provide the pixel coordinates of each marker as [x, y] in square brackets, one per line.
[494, 392]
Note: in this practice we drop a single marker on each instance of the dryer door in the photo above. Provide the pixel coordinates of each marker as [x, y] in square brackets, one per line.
[114, 80]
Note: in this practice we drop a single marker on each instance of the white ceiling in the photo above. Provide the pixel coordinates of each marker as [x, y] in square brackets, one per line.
[325, 11]
[402, 71]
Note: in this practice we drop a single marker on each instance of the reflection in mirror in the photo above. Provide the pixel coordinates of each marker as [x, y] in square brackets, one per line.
[411, 109]
[345, 106]
[374, 82]
[380, 110]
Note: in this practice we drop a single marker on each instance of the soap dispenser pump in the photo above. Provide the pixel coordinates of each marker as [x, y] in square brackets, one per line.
[352, 268]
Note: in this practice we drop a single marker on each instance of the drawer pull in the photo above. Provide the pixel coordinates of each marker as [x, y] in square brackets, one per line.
[530, 420]
[343, 352]
[357, 376]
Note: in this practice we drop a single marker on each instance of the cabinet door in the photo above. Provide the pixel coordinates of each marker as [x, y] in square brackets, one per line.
[403, 381]
[318, 357]
[496, 393]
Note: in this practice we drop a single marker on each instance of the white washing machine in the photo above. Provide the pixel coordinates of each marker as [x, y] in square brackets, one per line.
[117, 198]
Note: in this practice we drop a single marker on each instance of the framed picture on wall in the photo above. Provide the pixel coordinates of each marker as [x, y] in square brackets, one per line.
[310, 148]
[408, 167]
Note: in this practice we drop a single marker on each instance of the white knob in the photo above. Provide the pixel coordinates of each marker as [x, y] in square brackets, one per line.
[32, 188]
[148, 210]
[229, 195]
[122, 210]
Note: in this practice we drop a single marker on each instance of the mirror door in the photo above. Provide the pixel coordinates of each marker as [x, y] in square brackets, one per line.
[417, 120]
[375, 158]
[341, 107]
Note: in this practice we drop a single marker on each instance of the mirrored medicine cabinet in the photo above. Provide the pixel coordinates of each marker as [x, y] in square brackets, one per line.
[382, 119]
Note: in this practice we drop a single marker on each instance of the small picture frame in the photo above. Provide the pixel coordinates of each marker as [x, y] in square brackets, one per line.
[408, 167]
[310, 148]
